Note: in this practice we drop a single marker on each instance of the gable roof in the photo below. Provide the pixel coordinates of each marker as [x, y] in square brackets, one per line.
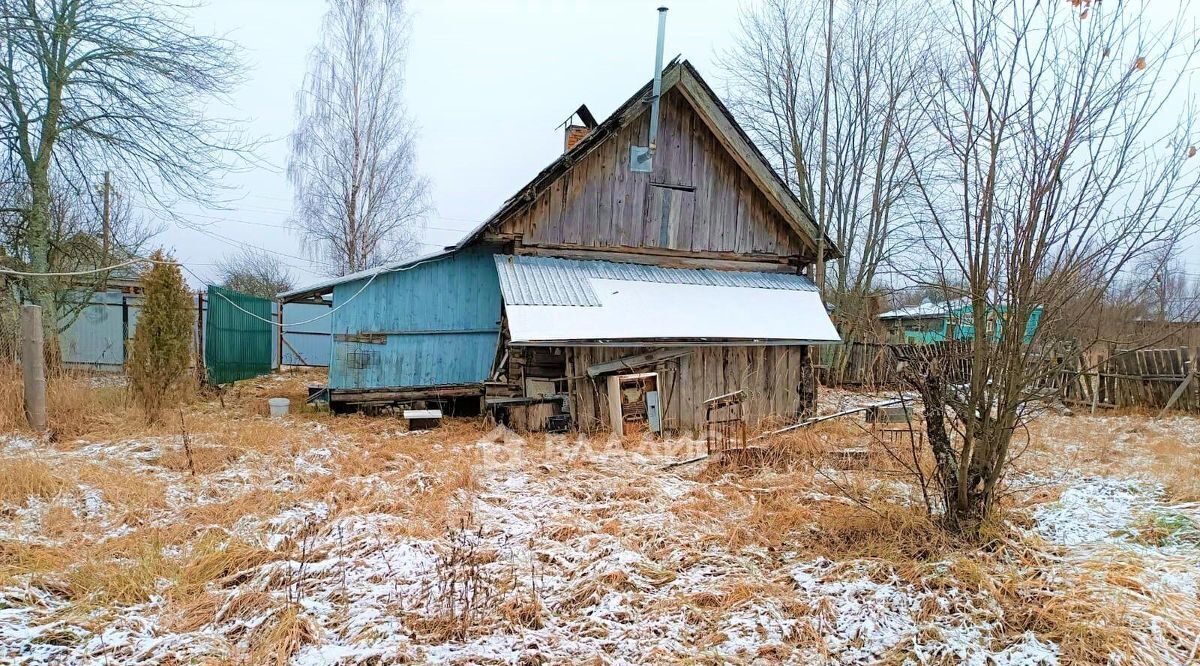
[716, 116]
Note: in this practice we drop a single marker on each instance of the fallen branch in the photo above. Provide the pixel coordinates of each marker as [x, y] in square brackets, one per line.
[817, 419]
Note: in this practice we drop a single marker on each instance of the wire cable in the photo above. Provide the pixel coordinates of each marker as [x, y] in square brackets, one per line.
[139, 260]
[326, 314]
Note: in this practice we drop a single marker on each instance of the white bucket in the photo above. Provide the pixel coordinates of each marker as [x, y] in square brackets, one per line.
[279, 407]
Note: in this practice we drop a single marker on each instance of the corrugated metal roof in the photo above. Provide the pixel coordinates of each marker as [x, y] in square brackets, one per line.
[637, 313]
[927, 310]
[326, 286]
[553, 281]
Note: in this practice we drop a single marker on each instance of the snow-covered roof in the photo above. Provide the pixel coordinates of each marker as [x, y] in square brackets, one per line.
[927, 310]
[549, 300]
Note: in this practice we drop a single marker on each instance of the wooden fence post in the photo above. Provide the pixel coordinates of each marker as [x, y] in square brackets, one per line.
[201, 370]
[33, 366]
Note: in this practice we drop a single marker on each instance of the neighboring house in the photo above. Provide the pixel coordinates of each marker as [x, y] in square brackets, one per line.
[946, 320]
[98, 321]
[598, 281]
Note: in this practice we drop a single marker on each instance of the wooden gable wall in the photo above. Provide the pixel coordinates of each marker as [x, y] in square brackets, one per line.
[707, 201]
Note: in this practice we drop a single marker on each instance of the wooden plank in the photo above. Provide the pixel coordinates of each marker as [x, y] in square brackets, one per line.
[700, 171]
[589, 199]
[553, 233]
[744, 154]
[683, 393]
[684, 164]
[605, 194]
[1179, 392]
[641, 191]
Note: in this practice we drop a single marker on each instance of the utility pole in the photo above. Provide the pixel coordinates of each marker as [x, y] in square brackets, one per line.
[107, 220]
[33, 366]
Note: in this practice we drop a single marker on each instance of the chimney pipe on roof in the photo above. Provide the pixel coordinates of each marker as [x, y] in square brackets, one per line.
[641, 158]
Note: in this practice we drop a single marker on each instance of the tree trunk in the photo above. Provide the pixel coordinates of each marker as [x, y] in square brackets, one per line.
[808, 384]
[41, 291]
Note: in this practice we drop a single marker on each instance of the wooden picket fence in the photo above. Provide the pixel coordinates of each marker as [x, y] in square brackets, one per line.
[1143, 378]
[873, 365]
[1158, 379]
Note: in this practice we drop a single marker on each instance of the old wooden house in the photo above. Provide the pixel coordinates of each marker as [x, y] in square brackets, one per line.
[625, 281]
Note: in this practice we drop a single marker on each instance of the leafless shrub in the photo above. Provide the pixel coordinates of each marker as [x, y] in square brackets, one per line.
[1054, 167]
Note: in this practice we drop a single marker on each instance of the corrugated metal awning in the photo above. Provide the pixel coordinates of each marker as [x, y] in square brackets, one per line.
[558, 301]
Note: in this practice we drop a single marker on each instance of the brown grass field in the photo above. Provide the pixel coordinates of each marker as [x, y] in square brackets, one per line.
[316, 539]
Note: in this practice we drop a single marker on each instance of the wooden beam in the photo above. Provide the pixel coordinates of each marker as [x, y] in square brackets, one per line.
[668, 258]
[1178, 393]
[636, 361]
[405, 393]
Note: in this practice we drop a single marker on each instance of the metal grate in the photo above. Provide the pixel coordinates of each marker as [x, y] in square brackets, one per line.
[360, 359]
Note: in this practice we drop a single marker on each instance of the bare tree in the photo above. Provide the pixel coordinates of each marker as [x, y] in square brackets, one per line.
[837, 86]
[93, 84]
[76, 238]
[254, 272]
[1057, 165]
[358, 197]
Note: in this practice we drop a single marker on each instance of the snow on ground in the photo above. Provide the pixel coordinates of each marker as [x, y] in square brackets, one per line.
[556, 561]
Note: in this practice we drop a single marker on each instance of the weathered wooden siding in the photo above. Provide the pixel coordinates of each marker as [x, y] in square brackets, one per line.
[768, 374]
[436, 324]
[697, 199]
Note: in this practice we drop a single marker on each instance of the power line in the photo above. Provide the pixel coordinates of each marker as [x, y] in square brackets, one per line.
[220, 218]
[143, 260]
[92, 271]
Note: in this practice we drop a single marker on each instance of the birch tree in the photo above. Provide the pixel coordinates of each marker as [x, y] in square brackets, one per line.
[87, 85]
[358, 198]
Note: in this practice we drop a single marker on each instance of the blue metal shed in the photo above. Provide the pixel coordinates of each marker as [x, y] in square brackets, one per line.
[426, 323]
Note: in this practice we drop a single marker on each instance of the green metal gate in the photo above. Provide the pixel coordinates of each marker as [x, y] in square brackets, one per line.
[237, 336]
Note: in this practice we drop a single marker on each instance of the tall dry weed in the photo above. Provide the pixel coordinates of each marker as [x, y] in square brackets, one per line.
[74, 405]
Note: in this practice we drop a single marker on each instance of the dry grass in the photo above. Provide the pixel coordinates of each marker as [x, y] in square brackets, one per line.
[1167, 450]
[73, 405]
[276, 640]
[20, 558]
[25, 477]
[215, 559]
[135, 494]
[790, 501]
[129, 578]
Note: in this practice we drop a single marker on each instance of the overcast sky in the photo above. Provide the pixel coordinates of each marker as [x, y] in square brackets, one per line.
[488, 84]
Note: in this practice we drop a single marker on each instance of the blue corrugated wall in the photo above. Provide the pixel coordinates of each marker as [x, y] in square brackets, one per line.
[308, 343]
[440, 322]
